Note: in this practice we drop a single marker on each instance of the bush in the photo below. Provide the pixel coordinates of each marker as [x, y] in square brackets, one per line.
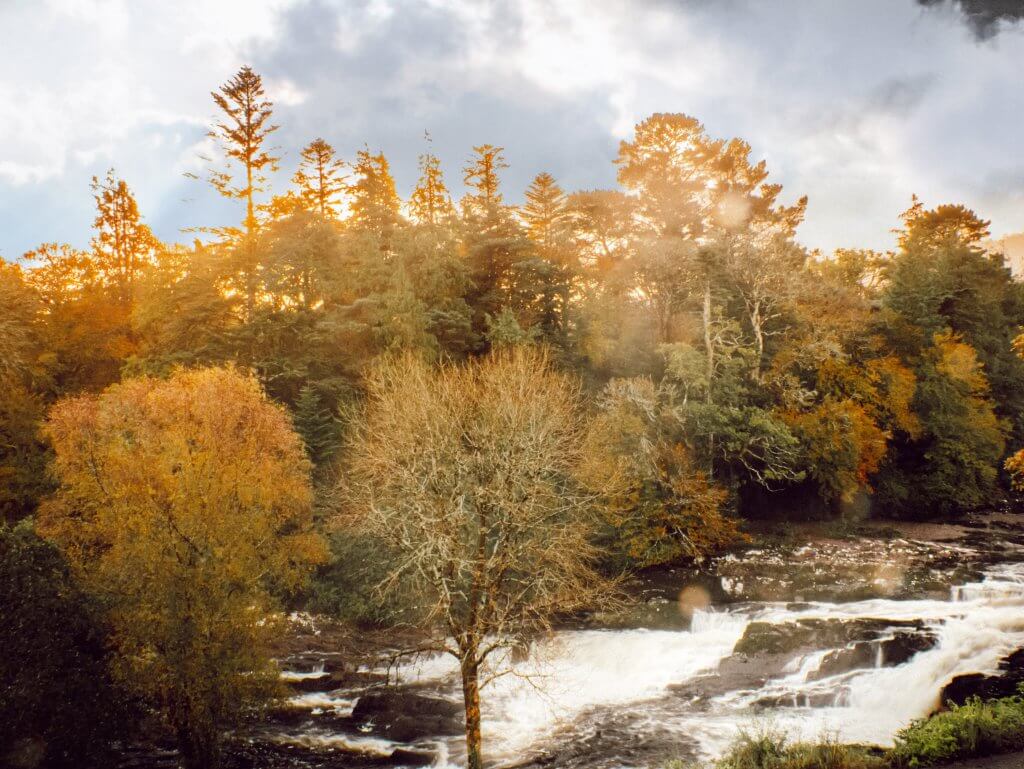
[345, 587]
[771, 749]
[974, 729]
[58, 706]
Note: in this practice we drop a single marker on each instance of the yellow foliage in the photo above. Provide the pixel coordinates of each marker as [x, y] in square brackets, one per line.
[844, 445]
[660, 505]
[183, 502]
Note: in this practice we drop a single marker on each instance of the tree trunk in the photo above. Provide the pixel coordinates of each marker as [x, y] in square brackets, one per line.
[755, 323]
[709, 347]
[198, 743]
[471, 695]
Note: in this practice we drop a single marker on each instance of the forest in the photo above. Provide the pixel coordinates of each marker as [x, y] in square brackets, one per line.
[469, 416]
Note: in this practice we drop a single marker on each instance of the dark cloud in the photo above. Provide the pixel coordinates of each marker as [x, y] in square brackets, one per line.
[386, 82]
[901, 95]
[984, 17]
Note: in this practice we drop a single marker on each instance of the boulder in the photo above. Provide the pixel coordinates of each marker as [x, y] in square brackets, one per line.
[1003, 683]
[809, 634]
[402, 715]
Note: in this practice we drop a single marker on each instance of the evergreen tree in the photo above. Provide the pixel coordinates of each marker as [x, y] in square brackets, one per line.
[545, 214]
[481, 176]
[242, 135]
[123, 245]
[375, 206]
[319, 178]
[316, 425]
[430, 202]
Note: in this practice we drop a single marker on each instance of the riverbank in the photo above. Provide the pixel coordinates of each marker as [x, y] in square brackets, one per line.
[1008, 761]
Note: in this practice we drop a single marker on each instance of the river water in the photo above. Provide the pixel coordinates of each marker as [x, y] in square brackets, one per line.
[638, 696]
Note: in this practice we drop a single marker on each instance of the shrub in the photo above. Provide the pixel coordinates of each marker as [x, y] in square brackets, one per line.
[58, 706]
[768, 748]
[975, 729]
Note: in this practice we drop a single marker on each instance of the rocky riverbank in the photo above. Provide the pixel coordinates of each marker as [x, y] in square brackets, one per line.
[798, 628]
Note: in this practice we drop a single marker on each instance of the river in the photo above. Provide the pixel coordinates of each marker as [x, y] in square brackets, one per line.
[702, 661]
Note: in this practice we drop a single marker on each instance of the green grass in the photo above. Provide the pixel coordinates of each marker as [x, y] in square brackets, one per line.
[979, 728]
[975, 729]
[768, 748]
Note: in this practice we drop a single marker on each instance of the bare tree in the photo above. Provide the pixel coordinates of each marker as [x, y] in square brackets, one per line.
[473, 475]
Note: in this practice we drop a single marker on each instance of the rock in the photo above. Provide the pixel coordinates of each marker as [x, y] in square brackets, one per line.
[404, 757]
[258, 755]
[810, 634]
[863, 654]
[403, 716]
[904, 645]
[1002, 684]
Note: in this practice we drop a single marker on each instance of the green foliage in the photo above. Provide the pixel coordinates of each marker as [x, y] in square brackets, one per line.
[975, 729]
[767, 748]
[316, 425]
[348, 585]
[953, 464]
[59, 706]
[664, 507]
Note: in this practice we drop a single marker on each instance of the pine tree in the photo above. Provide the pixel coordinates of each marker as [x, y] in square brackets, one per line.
[545, 212]
[319, 178]
[430, 203]
[242, 136]
[316, 425]
[123, 245]
[480, 175]
[375, 204]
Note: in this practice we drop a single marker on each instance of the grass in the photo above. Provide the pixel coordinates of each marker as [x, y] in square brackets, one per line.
[768, 748]
[978, 728]
[975, 729]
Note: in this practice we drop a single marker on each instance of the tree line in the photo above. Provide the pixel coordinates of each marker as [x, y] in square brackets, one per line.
[506, 403]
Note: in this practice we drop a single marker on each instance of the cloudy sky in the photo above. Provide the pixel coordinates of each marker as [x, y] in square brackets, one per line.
[856, 103]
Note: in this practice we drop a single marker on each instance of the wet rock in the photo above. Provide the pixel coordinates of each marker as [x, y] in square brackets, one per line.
[822, 699]
[859, 656]
[624, 741]
[810, 634]
[904, 645]
[403, 716]
[1003, 684]
[259, 755]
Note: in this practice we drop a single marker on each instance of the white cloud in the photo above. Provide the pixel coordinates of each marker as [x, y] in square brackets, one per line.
[855, 104]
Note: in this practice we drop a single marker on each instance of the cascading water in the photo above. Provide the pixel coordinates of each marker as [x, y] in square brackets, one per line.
[582, 682]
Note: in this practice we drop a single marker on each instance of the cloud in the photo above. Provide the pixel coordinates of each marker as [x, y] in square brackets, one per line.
[985, 18]
[857, 105]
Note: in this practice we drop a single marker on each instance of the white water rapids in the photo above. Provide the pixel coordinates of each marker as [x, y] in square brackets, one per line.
[581, 681]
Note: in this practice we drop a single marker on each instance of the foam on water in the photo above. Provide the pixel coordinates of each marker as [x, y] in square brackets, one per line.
[574, 678]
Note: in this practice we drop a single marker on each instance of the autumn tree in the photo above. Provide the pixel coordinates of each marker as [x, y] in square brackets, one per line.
[431, 202]
[942, 280]
[86, 334]
[952, 463]
[319, 178]
[22, 370]
[665, 508]
[123, 245]
[374, 203]
[545, 212]
[472, 474]
[1015, 464]
[185, 505]
[242, 133]
[481, 175]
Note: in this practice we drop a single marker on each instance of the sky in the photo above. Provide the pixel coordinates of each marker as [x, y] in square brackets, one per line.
[857, 104]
